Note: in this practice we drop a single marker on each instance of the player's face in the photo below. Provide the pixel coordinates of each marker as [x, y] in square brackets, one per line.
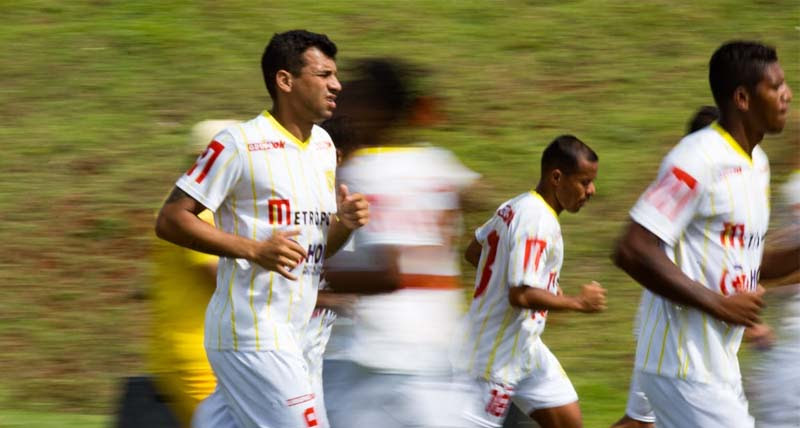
[316, 86]
[771, 99]
[575, 189]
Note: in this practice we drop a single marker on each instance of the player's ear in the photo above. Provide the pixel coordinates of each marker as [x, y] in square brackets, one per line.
[283, 80]
[741, 98]
[556, 176]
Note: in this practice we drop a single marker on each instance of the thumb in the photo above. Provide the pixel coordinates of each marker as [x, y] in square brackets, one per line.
[343, 192]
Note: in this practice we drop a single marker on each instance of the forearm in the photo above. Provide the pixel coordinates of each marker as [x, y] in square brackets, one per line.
[779, 262]
[338, 234]
[640, 256]
[182, 227]
[539, 299]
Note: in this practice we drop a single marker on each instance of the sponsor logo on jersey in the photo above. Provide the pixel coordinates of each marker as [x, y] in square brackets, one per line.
[268, 145]
[280, 212]
[506, 213]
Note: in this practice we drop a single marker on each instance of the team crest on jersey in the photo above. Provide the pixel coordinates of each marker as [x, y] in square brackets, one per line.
[330, 177]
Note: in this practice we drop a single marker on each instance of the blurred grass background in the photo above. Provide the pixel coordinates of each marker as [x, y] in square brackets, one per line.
[97, 98]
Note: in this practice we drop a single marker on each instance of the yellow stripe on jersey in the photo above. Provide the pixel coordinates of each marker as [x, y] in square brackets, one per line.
[271, 273]
[732, 142]
[219, 173]
[384, 150]
[652, 333]
[293, 198]
[498, 340]
[302, 144]
[514, 349]
[251, 290]
[663, 345]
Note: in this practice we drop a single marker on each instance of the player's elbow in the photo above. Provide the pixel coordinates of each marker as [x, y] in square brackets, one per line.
[163, 225]
[624, 253]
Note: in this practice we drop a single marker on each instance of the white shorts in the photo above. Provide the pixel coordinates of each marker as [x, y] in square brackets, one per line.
[264, 389]
[544, 388]
[638, 406]
[386, 400]
[681, 403]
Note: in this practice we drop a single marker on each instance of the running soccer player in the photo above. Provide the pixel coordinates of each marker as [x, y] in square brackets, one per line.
[518, 253]
[638, 412]
[396, 371]
[695, 243]
[270, 183]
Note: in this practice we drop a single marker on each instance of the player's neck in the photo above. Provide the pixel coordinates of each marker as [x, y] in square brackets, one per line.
[301, 129]
[744, 135]
[549, 196]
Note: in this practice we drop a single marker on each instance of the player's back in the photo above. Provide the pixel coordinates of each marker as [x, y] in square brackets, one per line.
[521, 245]
[414, 203]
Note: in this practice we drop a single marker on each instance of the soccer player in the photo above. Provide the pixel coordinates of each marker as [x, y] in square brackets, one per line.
[638, 412]
[270, 183]
[518, 253]
[695, 243]
[404, 262]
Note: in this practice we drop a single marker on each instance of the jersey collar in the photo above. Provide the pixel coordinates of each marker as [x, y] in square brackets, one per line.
[549, 208]
[378, 150]
[731, 142]
[282, 130]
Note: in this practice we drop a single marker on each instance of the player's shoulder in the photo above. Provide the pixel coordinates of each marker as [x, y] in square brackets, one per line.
[320, 139]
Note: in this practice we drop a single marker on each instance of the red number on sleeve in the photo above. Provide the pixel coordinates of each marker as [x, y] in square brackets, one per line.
[486, 274]
[216, 147]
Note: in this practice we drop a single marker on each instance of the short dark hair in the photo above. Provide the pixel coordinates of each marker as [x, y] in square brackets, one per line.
[285, 52]
[385, 84]
[564, 153]
[737, 63]
[702, 118]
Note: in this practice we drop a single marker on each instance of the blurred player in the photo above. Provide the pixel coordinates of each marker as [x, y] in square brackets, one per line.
[183, 282]
[774, 387]
[695, 244]
[518, 253]
[404, 262]
[638, 412]
[270, 184]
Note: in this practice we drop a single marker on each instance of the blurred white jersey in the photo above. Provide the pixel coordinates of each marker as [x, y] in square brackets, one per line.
[258, 178]
[414, 209]
[522, 246]
[710, 207]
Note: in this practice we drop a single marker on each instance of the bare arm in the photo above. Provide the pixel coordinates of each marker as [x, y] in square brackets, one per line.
[591, 299]
[639, 254]
[178, 223]
[353, 212]
[473, 253]
[779, 262]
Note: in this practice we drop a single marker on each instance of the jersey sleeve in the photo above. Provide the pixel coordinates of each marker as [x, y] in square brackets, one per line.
[672, 200]
[215, 171]
[529, 246]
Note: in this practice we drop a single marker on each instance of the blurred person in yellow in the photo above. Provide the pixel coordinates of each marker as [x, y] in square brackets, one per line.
[183, 282]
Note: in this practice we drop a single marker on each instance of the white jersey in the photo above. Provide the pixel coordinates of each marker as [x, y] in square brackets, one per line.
[414, 209]
[258, 178]
[522, 246]
[709, 205]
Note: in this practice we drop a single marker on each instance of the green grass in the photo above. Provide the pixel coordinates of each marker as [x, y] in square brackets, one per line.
[98, 96]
